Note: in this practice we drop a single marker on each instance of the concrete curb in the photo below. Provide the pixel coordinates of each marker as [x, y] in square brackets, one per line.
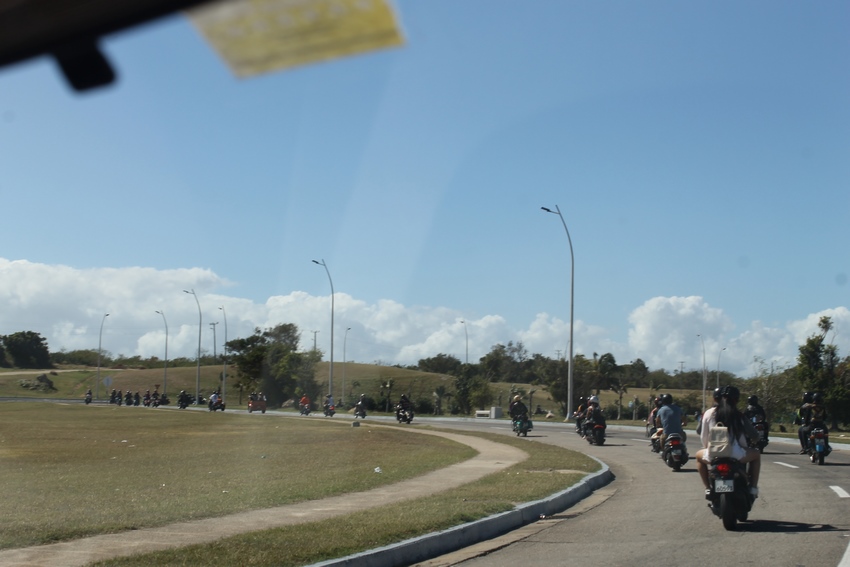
[423, 548]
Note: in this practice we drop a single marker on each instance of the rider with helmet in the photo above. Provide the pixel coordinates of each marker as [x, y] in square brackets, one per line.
[740, 431]
[579, 414]
[755, 414]
[802, 419]
[670, 419]
[593, 415]
[814, 416]
[517, 409]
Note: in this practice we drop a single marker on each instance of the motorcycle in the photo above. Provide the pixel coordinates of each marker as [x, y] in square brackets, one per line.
[216, 405]
[729, 492]
[818, 445]
[522, 425]
[403, 415]
[128, 399]
[675, 452]
[594, 432]
[762, 428]
[329, 410]
[360, 411]
[305, 409]
[88, 398]
[183, 401]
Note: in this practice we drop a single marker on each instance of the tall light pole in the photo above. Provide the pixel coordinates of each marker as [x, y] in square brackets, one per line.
[557, 211]
[200, 324]
[331, 373]
[344, 341]
[704, 375]
[224, 368]
[718, 367]
[99, 351]
[212, 326]
[165, 366]
[465, 332]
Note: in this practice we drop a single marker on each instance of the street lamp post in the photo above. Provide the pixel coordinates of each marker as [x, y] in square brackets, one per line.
[717, 385]
[704, 375]
[344, 342]
[224, 368]
[165, 366]
[212, 326]
[200, 324]
[557, 211]
[466, 332]
[331, 372]
[99, 351]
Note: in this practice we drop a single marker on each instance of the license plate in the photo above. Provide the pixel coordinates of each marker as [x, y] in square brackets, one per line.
[819, 445]
[724, 485]
[677, 452]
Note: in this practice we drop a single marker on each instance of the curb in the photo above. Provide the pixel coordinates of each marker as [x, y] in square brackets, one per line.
[423, 548]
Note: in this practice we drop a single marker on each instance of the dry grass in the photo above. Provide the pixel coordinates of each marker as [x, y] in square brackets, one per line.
[70, 470]
[539, 476]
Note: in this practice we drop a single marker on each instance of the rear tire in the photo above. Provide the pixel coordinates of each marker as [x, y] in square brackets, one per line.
[727, 512]
[820, 458]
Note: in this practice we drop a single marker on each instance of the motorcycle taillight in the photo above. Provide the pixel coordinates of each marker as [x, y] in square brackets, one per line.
[675, 442]
[724, 468]
[818, 434]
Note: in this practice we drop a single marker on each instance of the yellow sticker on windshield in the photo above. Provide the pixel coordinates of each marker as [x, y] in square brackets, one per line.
[258, 36]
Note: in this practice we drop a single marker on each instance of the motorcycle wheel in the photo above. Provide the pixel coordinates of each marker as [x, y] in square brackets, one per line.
[600, 438]
[820, 458]
[727, 512]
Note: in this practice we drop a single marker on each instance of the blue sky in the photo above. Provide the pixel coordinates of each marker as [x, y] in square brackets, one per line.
[698, 153]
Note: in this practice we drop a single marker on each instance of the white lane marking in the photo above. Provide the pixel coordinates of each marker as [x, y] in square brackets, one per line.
[786, 465]
[840, 492]
[845, 561]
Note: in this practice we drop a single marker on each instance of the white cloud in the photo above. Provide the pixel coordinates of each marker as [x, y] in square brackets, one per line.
[66, 306]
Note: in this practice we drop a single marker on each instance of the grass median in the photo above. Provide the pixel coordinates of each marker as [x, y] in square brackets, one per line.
[548, 470]
[69, 470]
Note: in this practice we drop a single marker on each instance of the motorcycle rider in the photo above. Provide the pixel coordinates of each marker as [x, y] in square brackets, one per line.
[360, 406]
[213, 399]
[403, 405]
[329, 401]
[670, 419]
[740, 431]
[517, 409]
[654, 433]
[754, 410]
[814, 416]
[802, 420]
[304, 403]
[592, 416]
[579, 414]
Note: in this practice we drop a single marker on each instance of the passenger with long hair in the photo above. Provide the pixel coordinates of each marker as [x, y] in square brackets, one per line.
[740, 431]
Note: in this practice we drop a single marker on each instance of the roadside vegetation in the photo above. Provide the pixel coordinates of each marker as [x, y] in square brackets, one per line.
[73, 470]
[272, 361]
[548, 470]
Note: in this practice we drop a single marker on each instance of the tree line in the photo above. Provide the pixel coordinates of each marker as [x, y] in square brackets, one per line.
[270, 360]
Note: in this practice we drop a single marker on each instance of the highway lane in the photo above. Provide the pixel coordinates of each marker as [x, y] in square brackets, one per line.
[652, 515]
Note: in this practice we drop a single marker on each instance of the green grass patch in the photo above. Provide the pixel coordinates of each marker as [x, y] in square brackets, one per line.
[547, 471]
[70, 470]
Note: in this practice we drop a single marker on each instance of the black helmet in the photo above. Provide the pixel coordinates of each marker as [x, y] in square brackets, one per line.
[666, 399]
[753, 400]
[731, 393]
[817, 398]
[807, 398]
[718, 393]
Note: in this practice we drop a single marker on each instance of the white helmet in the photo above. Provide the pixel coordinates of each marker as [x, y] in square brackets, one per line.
[593, 400]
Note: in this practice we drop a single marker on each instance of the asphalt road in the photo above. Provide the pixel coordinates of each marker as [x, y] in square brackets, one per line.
[651, 515]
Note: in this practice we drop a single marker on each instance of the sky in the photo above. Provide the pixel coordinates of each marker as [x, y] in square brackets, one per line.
[698, 153]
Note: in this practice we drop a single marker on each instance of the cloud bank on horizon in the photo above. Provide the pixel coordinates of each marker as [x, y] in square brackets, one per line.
[67, 307]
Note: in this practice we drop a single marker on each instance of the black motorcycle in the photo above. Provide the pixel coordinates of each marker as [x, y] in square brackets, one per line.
[329, 410]
[729, 492]
[88, 398]
[403, 415]
[183, 401]
[675, 453]
[594, 432]
[762, 428]
[360, 410]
